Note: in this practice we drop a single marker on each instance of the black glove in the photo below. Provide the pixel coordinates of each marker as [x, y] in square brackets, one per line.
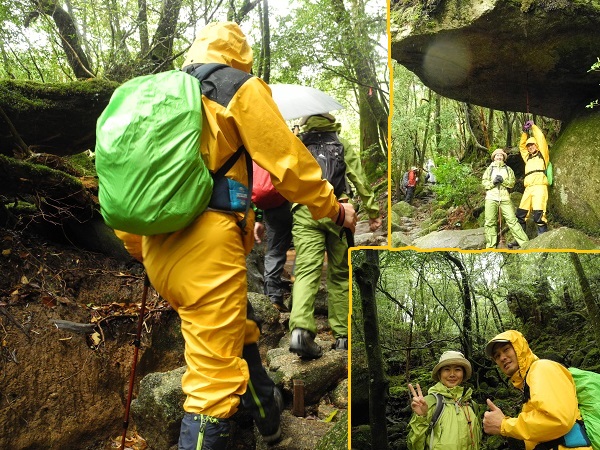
[498, 180]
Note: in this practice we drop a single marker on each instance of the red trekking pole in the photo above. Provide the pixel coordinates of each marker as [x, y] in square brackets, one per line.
[137, 343]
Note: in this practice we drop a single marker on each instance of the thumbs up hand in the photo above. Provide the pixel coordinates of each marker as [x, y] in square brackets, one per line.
[492, 419]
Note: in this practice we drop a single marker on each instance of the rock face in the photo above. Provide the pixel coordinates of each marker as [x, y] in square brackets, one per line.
[527, 55]
[574, 199]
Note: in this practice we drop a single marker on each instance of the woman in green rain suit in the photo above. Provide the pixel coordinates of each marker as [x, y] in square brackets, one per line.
[496, 180]
[458, 427]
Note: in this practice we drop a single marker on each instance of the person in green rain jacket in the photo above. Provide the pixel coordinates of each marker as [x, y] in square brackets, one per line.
[313, 238]
[496, 180]
[458, 426]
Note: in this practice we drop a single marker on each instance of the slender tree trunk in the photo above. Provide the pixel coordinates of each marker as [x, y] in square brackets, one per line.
[490, 129]
[588, 296]
[372, 110]
[463, 279]
[69, 38]
[437, 120]
[142, 20]
[427, 128]
[160, 56]
[265, 53]
[367, 275]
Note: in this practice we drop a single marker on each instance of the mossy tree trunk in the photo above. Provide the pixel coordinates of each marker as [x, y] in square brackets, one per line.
[367, 275]
[588, 296]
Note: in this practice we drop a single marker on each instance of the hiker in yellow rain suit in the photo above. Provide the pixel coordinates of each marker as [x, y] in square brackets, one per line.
[534, 151]
[550, 409]
[201, 270]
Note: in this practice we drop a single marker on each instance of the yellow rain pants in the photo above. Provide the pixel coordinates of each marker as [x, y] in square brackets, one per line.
[201, 271]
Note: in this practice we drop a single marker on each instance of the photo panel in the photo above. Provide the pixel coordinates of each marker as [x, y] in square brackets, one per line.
[438, 322]
[489, 144]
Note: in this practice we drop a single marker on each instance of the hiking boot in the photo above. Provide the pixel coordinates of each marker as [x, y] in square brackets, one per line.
[513, 244]
[541, 229]
[302, 343]
[269, 426]
[200, 432]
[341, 343]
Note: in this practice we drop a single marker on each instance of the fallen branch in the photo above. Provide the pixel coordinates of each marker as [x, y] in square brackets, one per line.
[80, 328]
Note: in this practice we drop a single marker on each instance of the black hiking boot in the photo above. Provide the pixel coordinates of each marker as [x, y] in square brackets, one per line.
[513, 245]
[541, 229]
[262, 398]
[341, 343]
[269, 426]
[200, 432]
[302, 343]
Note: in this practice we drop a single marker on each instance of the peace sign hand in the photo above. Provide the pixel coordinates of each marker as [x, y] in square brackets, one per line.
[418, 404]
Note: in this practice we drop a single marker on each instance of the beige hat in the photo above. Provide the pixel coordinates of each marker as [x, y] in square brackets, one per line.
[447, 359]
[531, 140]
[499, 150]
[489, 348]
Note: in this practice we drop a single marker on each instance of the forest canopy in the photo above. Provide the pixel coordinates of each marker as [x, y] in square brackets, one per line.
[60, 61]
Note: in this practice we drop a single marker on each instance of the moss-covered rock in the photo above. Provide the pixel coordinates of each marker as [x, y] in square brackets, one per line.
[403, 209]
[337, 437]
[562, 238]
[573, 198]
[503, 54]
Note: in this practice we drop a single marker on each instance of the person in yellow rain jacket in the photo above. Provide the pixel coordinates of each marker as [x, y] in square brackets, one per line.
[534, 151]
[550, 410]
[201, 269]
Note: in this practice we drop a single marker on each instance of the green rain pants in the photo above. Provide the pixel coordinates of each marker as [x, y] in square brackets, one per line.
[508, 216]
[312, 238]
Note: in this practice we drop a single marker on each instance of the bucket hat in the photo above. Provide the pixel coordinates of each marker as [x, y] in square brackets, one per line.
[449, 358]
[499, 150]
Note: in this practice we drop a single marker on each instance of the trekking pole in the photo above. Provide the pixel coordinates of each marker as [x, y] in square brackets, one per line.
[137, 343]
[501, 242]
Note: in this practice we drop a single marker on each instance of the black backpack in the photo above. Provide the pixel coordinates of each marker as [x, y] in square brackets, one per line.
[327, 149]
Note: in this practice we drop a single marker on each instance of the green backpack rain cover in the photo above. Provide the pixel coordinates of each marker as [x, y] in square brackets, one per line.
[550, 173]
[151, 175]
[588, 396]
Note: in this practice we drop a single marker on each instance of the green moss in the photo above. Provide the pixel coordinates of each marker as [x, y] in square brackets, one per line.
[83, 163]
[31, 96]
[337, 437]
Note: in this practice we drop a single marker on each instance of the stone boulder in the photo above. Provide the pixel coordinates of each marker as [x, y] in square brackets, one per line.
[453, 239]
[158, 409]
[562, 238]
[528, 55]
[573, 198]
[319, 376]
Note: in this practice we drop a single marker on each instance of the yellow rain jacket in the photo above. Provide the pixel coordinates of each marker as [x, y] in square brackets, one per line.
[201, 270]
[535, 165]
[535, 196]
[551, 410]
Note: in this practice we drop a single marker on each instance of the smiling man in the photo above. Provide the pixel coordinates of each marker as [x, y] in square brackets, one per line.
[550, 417]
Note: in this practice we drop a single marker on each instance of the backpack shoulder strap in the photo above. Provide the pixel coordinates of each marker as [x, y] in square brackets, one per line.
[203, 71]
[439, 406]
